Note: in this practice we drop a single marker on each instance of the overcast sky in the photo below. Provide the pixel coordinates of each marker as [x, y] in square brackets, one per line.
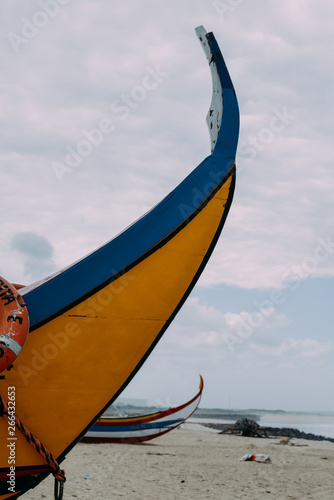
[103, 110]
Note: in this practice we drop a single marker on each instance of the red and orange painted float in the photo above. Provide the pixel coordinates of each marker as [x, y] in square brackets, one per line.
[14, 323]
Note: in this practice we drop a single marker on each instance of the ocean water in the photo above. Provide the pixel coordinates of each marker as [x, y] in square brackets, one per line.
[321, 424]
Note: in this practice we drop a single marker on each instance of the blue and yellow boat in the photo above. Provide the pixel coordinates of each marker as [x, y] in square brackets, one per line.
[92, 325]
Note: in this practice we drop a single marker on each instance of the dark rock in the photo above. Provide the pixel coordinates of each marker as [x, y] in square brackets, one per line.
[259, 431]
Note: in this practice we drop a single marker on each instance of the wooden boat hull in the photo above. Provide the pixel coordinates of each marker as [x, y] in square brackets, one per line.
[93, 324]
[135, 430]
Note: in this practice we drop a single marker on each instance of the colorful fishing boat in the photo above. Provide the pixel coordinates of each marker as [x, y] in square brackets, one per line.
[135, 430]
[86, 330]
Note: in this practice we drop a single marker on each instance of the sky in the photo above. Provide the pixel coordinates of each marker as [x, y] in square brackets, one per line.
[102, 113]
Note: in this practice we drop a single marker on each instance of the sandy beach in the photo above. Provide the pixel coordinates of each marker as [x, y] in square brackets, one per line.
[195, 462]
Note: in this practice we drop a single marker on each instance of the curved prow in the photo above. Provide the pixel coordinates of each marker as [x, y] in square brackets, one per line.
[77, 282]
[215, 113]
[93, 324]
[140, 428]
[201, 385]
[223, 114]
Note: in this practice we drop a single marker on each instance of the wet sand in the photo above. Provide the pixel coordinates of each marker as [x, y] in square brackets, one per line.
[195, 462]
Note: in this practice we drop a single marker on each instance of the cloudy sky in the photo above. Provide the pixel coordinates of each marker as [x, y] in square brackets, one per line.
[103, 110]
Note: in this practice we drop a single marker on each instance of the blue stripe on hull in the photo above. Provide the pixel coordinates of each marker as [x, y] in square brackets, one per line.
[102, 266]
[138, 427]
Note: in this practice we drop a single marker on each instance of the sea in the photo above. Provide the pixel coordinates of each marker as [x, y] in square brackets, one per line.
[318, 423]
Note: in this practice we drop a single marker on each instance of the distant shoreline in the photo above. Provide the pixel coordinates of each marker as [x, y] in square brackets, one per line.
[219, 413]
[316, 426]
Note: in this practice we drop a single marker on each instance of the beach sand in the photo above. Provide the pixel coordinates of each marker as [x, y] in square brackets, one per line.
[194, 462]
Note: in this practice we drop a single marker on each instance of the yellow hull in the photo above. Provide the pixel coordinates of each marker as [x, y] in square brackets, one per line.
[71, 365]
[93, 324]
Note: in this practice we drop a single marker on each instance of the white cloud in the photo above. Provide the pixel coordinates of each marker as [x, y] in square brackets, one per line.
[208, 331]
[68, 75]
[62, 83]
[263, 370]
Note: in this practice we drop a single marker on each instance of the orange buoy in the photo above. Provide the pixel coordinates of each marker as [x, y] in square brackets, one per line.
[14, 324]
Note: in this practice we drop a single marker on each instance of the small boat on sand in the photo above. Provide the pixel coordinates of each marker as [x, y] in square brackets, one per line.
[135, 430]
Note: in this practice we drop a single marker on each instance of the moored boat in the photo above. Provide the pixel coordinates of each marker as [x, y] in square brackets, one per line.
[140, 428]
